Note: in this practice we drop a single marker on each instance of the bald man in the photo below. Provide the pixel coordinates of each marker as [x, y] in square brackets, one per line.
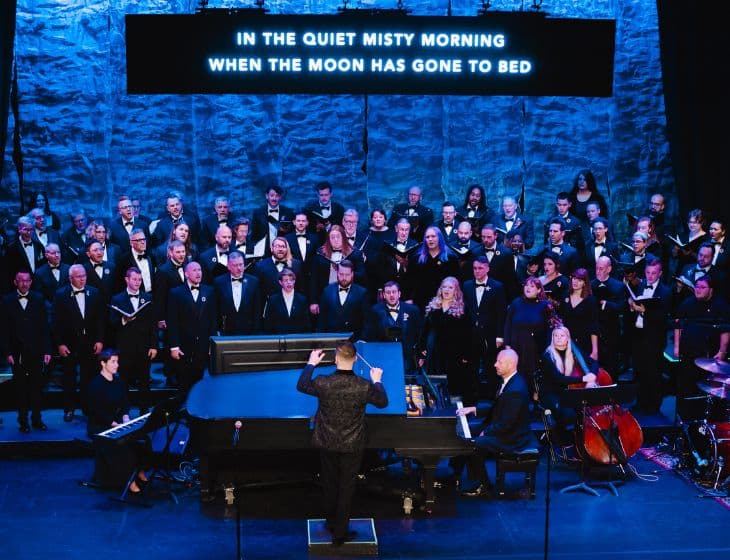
[506, 426]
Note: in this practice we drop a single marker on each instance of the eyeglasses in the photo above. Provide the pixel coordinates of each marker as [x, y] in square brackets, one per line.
[142, 240]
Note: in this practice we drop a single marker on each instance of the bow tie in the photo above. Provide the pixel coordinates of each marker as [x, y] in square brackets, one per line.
[344, 289]
[177, 266]
[600, 244]
[280, 262]
[54, 267]
[98, 266]
[506, 219]
[77, 292]
[236, 280]
[492, 250]
[222, 220]
[221, 253]
[351, 239]
[134, 296]
[324, 208]
[238, 246]
[194, 288]
[301, 235]
[273, 210]
[128, 224]
[481, 285]
[21, 296]
[393, 309]
[141, 256]
[29, 244]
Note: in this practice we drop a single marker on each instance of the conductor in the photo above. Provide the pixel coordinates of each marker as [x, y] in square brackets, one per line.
[339, 429]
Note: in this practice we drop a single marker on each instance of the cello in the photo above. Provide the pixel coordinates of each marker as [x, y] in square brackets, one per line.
[611, 434]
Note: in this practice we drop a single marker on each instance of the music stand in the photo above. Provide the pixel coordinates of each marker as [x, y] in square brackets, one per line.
[583, 399]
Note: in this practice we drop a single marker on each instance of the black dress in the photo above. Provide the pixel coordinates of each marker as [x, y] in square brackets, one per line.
[558, 288]
[526, 331]
[581, 321]
[446, 339]
[429, 274]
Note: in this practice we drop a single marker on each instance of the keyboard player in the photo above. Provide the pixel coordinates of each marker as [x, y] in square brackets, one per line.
[108, 408]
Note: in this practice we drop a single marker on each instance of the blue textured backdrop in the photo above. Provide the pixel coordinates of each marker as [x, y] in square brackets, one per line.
[85, 141]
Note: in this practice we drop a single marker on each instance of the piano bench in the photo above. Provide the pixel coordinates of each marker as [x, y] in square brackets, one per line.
[525, 461]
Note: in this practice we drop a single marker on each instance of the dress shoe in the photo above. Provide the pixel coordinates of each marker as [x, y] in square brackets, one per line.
[482, 490]
[349, 536]
[24, 428]
[68, 416]
[40, 426]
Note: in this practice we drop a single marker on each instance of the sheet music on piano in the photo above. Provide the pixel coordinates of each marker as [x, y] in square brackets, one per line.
[122, 429]
[462, 427]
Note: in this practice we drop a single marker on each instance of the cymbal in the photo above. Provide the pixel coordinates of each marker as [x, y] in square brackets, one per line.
[718, 378]
[713, 366]
[721, 392]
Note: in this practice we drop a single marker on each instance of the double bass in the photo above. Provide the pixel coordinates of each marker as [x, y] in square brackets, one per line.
[611, 434]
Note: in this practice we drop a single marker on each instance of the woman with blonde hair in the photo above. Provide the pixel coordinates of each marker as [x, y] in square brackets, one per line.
[445, 341]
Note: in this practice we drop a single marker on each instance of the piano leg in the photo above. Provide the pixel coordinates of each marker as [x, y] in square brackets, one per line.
[428, 464]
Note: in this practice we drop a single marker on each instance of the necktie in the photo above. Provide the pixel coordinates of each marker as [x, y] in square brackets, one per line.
[239, 280]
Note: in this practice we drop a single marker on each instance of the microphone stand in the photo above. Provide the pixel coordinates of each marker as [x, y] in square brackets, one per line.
[546, 417]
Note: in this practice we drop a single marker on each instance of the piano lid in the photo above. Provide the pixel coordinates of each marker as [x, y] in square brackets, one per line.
[273, 394]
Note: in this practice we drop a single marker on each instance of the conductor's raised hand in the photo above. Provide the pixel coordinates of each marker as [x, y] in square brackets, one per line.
[376, 374]
[315, 356]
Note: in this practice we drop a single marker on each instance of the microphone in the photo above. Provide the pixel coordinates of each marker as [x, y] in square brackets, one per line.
[236, 425]
[700, 461]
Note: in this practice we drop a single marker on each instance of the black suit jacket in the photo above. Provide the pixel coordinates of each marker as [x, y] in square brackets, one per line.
[268, 275]
[573, 234]
[406, 329]
[319, 273]
[509, 418]
[45, 282]
[313, 209]
[277, 319]
[568, 257]
[260, 224]
[339, 423]
[107, 284]
[521, 225]
[209, 226]
[167, 277]
[501, 267]
[312, 244]
[334, 317]
[487, 318]
[212, 269]
[128, 261]
[74, 245]
[52, 236]
[70, 328]
[656, 316]
[613, 293]
[609, 250]
[165, 225]
[247, 320]
[419, 222]
[119, 235]
[137, 335]
[450, 238]
[190, 324]
[24, 333]
[16, 260]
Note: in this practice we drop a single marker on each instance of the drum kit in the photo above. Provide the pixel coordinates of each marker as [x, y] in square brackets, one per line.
[706, 453]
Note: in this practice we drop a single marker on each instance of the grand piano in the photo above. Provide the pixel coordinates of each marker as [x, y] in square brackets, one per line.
[272, 415]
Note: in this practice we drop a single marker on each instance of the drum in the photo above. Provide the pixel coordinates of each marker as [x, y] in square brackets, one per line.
[707, 451]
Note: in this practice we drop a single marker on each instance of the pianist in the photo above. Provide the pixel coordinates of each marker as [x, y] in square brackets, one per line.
[108, 408]
[339, 429]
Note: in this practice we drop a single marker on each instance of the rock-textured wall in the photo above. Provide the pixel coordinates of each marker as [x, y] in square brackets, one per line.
[85, 141]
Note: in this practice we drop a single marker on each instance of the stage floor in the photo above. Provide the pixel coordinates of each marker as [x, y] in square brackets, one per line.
[46, 513]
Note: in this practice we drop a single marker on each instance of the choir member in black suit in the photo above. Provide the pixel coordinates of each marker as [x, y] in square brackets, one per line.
[191, 321]
[108, 408]
[648, 326]
[240, 242]
[593, 211]
[653, 246]
[239, 299]
[599, 245]
[519, 263]
[611, 296]
[527, 324]
[136, 336]
[323, 212]
[287, 311]
[41, 231]
[475, 209]
[506, 426]
[569, 257]
[720, 257]
[465, 249]
[138, 257]
[79, 317]
[326, 262]
[303, 244]
[486, 305]
[430, 265]
[700, 331]
[340, 430]
[100, 274]
[512, 221]
[215, 260]
[395, 321]
[448, 222]
[24, 253]
[501, 265]
[633, 261]
[579, 313]
[209, 225]
[267, 269]
[111, 252]
[693, 272]
[272, 220]
[570, 223]
[122, 227]
[25, 345]
[343, 305]
[419, 216]
[353, 236]
[74, 238]
[445, 340]
[52, 275]
[175, 215]
[395, 263]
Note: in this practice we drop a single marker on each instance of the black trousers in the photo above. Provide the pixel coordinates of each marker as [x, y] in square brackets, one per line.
[338, 482]
[647, 353]
[134, 365]
[28, 380]
[85, 361]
